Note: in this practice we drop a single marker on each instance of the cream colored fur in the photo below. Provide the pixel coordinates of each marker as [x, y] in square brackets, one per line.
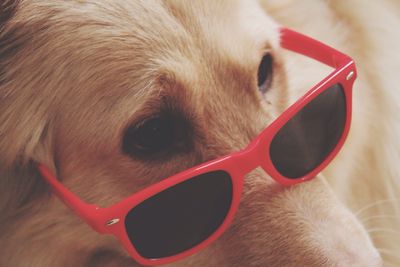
[75, 74]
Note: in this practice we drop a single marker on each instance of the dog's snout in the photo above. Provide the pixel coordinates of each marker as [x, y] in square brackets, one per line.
[305, 223]
[345, 243]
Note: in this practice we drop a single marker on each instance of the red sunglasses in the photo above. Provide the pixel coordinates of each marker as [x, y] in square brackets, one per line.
[186, 212]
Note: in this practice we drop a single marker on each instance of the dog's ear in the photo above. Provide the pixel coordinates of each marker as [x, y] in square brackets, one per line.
[26, 131]
[7, 10]
[29, 130]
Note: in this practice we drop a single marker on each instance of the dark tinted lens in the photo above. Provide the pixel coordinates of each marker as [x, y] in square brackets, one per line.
[306, 140]
[181, 216]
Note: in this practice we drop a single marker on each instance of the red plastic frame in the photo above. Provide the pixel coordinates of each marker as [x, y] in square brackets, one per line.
[111, 220]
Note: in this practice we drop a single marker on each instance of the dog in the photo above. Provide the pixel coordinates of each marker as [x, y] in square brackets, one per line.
[76, 76]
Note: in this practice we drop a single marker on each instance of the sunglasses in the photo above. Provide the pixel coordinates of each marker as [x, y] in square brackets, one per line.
[184, 213]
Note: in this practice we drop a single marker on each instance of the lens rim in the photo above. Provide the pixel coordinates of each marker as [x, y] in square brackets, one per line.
[221, 180]
[336, 110]
[269, 133]
[120, 231]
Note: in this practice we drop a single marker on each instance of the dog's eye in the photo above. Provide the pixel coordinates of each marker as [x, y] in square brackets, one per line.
[156, 136]
[265, 73]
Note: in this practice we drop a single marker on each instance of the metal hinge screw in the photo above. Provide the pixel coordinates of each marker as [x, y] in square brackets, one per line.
[111, 222]
[350, 75]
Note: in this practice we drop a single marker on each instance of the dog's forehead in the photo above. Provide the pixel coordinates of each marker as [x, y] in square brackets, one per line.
[146, 32]
[238, 31]
[231, 27]
[231, 21]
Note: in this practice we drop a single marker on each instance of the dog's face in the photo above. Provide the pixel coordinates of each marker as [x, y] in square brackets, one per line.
[117, 95]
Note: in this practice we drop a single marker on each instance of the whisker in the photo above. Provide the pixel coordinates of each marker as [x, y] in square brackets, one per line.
[379, 217]
[382, 230]
[382, 236]
[376, 203]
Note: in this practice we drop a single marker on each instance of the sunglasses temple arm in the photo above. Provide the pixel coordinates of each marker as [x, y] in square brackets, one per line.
[307, 46]
[84, 210]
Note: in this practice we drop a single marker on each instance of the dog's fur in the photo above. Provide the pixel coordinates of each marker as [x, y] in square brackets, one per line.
[75, 74]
